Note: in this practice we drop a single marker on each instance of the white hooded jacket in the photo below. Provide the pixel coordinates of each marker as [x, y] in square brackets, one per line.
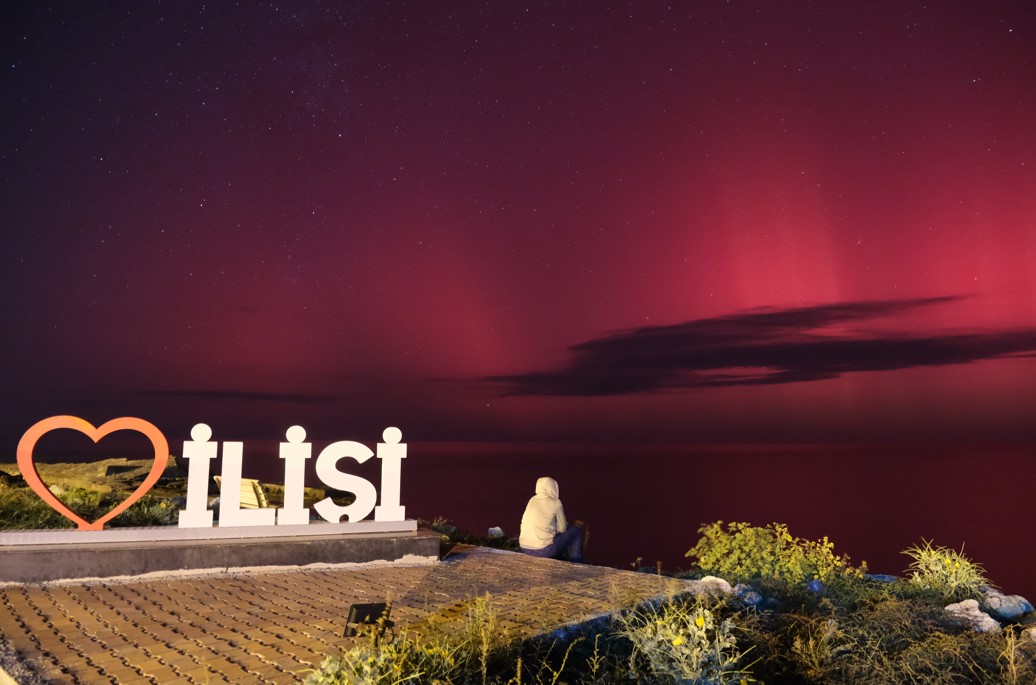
[544, 516]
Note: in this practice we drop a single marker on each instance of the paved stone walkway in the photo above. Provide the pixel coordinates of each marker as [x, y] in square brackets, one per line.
[275, 626]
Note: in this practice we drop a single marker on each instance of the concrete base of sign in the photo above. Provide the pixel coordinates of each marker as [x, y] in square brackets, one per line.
[129, 555]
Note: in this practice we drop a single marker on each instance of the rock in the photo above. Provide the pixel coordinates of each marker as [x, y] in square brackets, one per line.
[495, 532]
[967, 613]
[712, 585]
[749, 596]
[174, 470]
[881, 577]
[1004, 607]
[1030, 635]
[447, 529]
[12, 480]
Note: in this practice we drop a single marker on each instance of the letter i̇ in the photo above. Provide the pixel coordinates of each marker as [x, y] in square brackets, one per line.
[295, 452]
[198, 452]
[392, 452]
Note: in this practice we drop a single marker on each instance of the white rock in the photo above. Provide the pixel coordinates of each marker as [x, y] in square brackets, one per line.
[968, 613]
[495, 532]
[713, 584]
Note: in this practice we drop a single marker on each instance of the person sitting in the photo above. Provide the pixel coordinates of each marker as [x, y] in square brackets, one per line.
[544, 531]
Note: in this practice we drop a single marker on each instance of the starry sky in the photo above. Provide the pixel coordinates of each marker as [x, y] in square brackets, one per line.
[733, 221]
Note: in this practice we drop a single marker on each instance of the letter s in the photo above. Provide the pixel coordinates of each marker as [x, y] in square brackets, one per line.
[328, 472]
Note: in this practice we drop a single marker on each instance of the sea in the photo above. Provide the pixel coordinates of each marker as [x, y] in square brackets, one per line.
[645, 502]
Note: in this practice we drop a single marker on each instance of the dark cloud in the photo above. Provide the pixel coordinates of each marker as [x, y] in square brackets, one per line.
[761, 347]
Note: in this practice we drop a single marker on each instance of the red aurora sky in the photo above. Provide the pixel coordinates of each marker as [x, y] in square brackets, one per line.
[712, 221]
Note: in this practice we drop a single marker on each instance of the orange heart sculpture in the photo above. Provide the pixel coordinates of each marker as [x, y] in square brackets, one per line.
[28, 467]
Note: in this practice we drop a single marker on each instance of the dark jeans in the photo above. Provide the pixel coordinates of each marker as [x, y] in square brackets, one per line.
[570, 542]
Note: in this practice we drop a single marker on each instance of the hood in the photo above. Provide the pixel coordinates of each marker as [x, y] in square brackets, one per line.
[547, 487]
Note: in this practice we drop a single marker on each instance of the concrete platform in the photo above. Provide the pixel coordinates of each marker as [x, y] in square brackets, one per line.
[62, 555]
[273, 627]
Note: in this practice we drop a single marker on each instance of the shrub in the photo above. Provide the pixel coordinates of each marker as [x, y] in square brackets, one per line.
[817, 649]
[884, 640]
[22, 509]
[740, 551]
[147, 511]
[401, 660]
[912, 642]
[480, 644]
[455, 535]
[945, 571]
[468, 651]
[682, 643]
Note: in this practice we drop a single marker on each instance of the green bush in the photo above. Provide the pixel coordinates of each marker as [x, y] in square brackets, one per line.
[740, 551]
[682, 642]
[479, 643]
[854, 630]
[892, 641]
[678, 642]
[147, 511]
[22, 509]
[817, 648]
[897, 635]
[945, 571]
[911, 642]
[471, 650]
[886, 639]
[402, 660]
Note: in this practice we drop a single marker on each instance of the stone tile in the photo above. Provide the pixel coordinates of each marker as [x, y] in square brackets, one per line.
[266, 626]
[199, 673]
[124, 674]
[160, 672]
[268, 672]
[180, 662]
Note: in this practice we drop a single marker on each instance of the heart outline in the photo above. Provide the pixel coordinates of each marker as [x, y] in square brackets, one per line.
[27, 465]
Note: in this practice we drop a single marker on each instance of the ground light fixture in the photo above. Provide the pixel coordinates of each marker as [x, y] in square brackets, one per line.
[372, 616]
